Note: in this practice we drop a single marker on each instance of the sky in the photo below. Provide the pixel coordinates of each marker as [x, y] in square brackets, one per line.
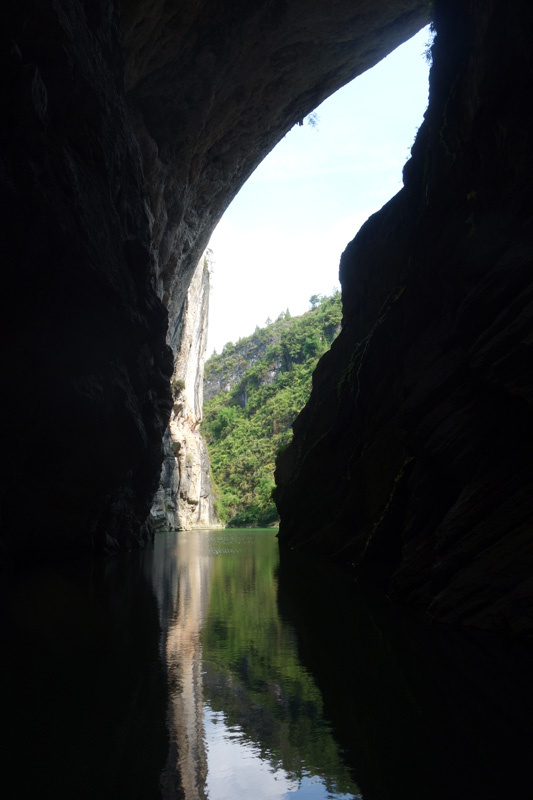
[281, 239]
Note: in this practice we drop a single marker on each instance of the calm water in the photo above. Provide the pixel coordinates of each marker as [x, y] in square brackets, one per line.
[208, 668]
[247, 717]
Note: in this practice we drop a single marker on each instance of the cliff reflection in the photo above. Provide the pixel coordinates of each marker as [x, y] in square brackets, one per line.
[245, 718]
[182, 568]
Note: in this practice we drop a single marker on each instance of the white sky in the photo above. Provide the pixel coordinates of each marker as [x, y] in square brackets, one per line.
[281, 239]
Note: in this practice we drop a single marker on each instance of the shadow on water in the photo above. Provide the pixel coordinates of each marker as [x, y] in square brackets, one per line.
[205, 669]
[83, 686]
[421, 712]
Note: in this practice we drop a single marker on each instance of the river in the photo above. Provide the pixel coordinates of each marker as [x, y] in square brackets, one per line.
[206, 667]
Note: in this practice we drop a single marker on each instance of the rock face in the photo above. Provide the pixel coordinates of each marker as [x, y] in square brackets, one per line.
[85, 367]
[126, 130]
[213, 87]
[229, 369]
[184, 500]
[415, 445]
[225, 371]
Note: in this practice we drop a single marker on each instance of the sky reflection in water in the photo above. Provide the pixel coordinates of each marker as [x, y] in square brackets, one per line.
[236, 769]
[246, 717]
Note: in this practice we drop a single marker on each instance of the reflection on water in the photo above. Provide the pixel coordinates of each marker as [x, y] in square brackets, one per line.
[245, 717]
[288, 682]
[181, 583]
[208, 667]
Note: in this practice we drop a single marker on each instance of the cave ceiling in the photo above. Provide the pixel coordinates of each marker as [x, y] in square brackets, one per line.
[213, 86]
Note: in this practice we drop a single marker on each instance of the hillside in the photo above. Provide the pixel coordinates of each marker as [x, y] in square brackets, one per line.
[253, 391]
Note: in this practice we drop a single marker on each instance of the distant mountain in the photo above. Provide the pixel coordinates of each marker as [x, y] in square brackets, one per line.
[253, 392]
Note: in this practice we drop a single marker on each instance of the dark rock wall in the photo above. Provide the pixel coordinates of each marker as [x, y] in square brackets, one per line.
[85, 367]
[126, 130]
[415, 445]
[212, 87]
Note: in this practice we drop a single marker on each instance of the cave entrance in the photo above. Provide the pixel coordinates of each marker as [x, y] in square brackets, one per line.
[281, 239]
[276, 252]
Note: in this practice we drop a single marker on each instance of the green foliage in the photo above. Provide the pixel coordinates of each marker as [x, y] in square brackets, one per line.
[177, 385]
[246, 428]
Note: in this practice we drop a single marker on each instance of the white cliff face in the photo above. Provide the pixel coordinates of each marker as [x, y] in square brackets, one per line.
[184, 499]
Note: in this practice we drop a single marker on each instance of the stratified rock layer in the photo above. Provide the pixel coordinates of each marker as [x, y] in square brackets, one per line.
[412, 460]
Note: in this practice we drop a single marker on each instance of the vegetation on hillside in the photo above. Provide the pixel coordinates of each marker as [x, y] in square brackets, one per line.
[245, 427]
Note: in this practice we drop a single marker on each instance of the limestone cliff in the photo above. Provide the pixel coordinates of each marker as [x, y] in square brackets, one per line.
[182, 571]
[224, 372]
[184, 500]
[411, 462]
[274, 349]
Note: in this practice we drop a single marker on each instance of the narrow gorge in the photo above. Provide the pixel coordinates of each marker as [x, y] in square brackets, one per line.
[128, 127]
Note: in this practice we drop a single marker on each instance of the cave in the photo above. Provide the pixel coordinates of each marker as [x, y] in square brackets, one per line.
[128, 128]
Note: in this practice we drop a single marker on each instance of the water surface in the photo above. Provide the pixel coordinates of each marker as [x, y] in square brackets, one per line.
[247, 718]
[210, 667]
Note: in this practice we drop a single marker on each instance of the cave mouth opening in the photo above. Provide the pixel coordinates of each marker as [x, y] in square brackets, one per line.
[107, 215]
[280, 240]
[275, 256]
